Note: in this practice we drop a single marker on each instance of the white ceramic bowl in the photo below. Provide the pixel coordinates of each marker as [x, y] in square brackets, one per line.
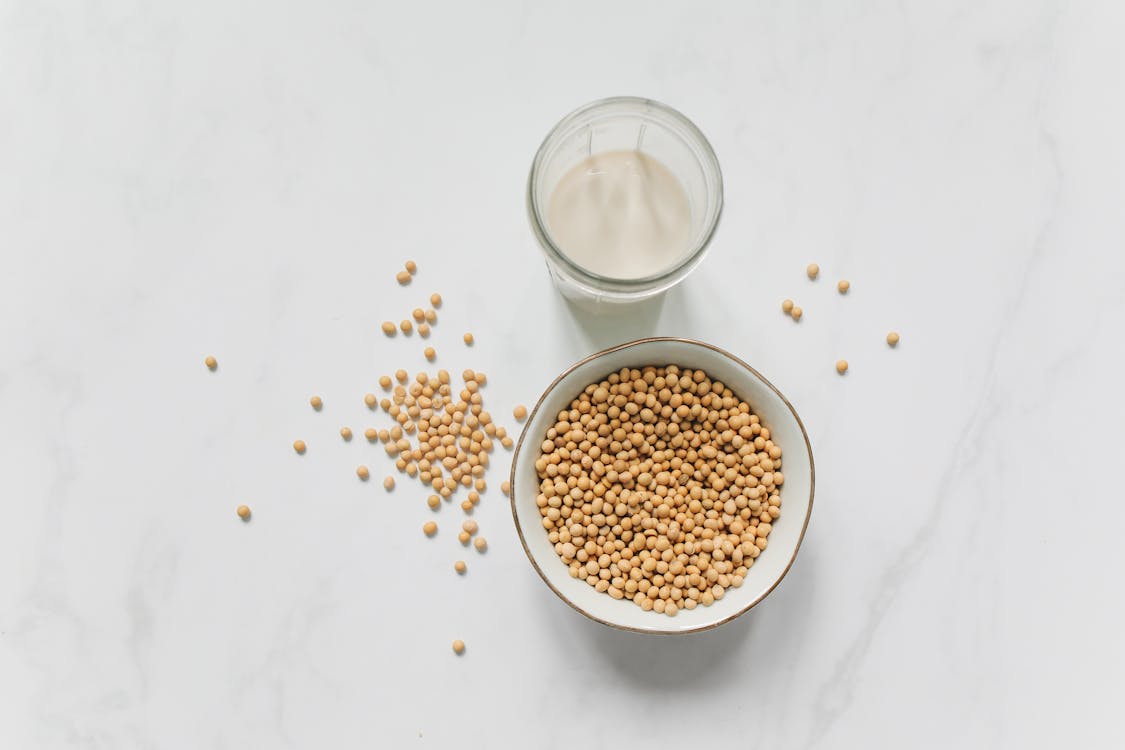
[796, 495]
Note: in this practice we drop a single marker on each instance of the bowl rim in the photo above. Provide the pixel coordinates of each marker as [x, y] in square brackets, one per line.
[627, 345]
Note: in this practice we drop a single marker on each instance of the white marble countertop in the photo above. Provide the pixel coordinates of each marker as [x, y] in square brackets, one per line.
[243, 180]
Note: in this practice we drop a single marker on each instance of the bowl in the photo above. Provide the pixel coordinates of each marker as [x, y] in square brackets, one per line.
[748, 384]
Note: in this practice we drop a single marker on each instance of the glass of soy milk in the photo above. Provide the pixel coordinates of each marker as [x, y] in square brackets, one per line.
[624, 196]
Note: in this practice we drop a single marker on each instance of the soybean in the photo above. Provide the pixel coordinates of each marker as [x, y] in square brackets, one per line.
[710, 501]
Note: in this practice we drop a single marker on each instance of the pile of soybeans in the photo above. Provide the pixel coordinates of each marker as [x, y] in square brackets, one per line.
[659, 485]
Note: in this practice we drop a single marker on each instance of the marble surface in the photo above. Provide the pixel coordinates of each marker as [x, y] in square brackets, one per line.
[243, 178]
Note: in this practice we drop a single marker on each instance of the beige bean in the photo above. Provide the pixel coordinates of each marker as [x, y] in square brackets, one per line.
[709, 470]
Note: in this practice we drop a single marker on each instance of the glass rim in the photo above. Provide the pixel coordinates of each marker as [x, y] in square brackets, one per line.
[610, 283]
